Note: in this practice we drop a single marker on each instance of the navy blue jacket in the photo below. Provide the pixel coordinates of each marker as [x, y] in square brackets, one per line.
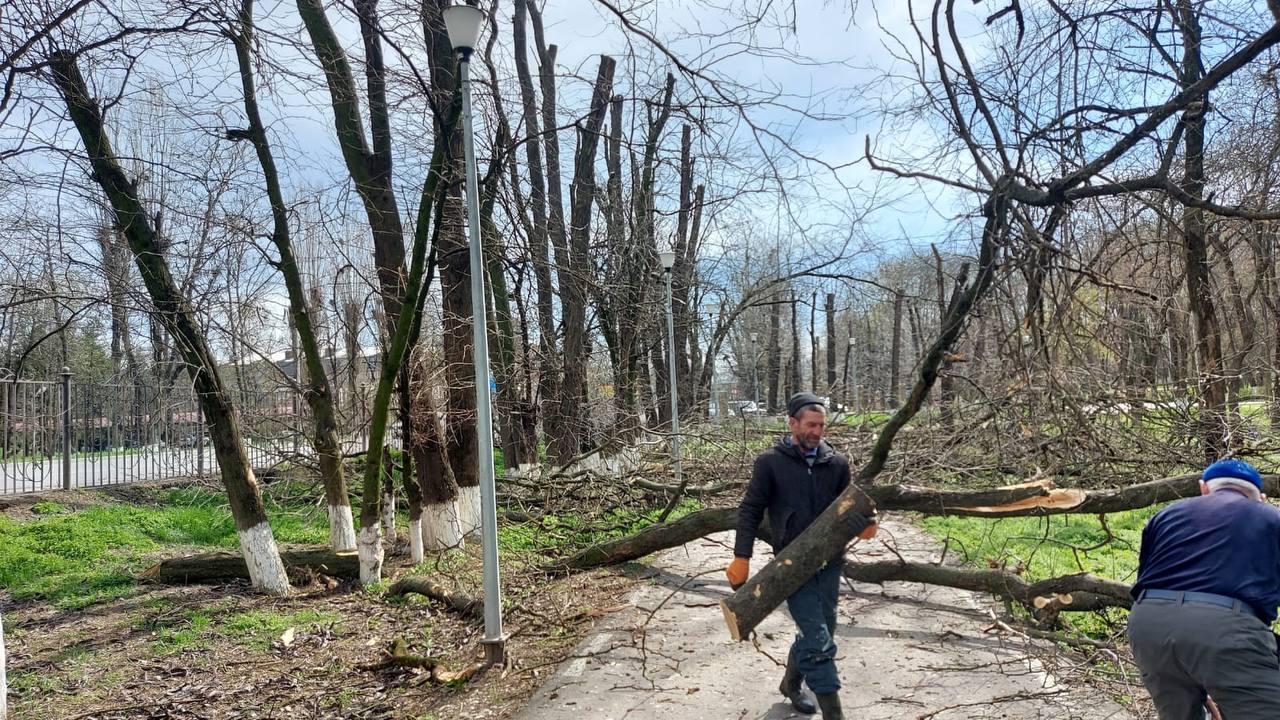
[793, 493]
[1223, 543]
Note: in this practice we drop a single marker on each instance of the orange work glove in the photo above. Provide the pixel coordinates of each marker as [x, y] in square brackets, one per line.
[870, 530]
[738, 571]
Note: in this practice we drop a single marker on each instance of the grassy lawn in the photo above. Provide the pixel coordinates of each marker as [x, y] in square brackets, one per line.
[73, 559]
[1041, 548]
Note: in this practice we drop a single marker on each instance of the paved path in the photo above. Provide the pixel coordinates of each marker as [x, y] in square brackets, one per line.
[907, 651]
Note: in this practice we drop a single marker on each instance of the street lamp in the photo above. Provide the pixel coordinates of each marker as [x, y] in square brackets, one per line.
[463, 25]
[755, 372]
[668, 261]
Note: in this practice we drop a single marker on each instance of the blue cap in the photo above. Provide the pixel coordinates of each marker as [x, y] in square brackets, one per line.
[1238, 469]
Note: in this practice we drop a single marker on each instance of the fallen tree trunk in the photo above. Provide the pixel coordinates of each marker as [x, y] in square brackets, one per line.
[1080, 592]
[225, 565]
[463, 605]
[706, 522]
[1027, 500]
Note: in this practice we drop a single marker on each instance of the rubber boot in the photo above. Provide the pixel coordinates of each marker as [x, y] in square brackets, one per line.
[830, 704]
[792, 690]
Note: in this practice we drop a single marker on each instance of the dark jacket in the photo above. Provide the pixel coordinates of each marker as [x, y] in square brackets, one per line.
[794, 493]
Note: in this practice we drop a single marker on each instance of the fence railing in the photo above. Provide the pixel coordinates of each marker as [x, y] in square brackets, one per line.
[58, 434]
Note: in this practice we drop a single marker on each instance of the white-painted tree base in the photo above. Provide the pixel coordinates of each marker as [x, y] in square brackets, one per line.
[342, 529]
[4, 681]
[262, 557]
[415, 541]
[369, 545]
[441, 527]
[469, 509]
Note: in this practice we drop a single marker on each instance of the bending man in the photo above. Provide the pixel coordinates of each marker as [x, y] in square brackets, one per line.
[1207, 590]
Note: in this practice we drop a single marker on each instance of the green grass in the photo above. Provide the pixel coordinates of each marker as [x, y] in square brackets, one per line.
[256, 629]
[1050, 546]
[186, 635]
[74, 559]
[259, 628]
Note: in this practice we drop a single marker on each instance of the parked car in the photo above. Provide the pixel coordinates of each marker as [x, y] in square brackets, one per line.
[750, 407]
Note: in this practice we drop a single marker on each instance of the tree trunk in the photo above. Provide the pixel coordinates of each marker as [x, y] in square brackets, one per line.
[815, 354]
[795, 376]
[369, 165]
[895, 350]
[682, 272]
[831, 346]
[317, 392]
[1213, 381]
[548, 372]
[4, 680]
[221, 566]
[441, 522]
[257, 542]
[567, 442]
[775, 351]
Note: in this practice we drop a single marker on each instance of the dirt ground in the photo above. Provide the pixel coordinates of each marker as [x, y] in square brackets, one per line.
[220, 652]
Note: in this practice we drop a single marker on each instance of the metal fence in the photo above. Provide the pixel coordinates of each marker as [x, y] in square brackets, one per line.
[58, 434]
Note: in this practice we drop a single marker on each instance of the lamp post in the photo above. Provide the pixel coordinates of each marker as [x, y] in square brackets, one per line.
[755, 372]
[668, 261]
[463, 25]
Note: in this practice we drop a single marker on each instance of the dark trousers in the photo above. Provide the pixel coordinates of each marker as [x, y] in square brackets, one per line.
[813, 608]
[1186, 650]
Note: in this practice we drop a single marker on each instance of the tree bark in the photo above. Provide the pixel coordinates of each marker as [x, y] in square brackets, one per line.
[1079, 592]
[795, 380]
[256, 539]
[831, 346]
[221, 566]
[895, 350]
[775, 351]
[548, 361]
[565, 443]
[317, 392]
[1213, 381]
[463, 605]
[369, 164]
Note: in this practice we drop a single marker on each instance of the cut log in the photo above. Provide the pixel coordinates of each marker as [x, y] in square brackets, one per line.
[463, 605]
[225, 565]
[824, 540]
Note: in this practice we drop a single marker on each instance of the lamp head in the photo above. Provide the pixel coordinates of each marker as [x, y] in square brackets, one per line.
[755, 337]
[668, 260]
[852, 342]
[463, 23]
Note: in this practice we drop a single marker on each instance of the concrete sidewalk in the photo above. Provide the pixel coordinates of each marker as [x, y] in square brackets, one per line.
[907, 651]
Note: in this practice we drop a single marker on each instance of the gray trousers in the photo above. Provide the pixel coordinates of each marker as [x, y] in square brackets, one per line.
[1186, 650]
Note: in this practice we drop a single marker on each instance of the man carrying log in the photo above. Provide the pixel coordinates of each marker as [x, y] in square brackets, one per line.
[795, 481]
[1207, 590]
